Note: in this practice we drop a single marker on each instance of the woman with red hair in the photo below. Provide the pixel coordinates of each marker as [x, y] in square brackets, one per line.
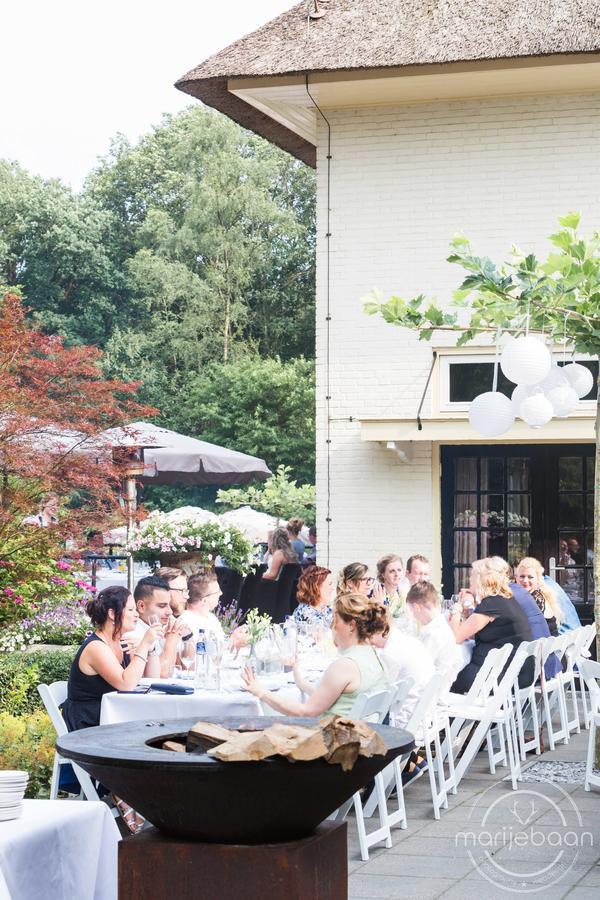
[315, 594]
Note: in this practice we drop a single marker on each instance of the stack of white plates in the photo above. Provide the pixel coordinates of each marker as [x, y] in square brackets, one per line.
[12, 789]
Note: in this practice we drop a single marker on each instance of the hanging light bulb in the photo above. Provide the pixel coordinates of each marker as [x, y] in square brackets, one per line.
[536, 410]
[563, 398]
[525, 360]
[491, 414]
[580, 378]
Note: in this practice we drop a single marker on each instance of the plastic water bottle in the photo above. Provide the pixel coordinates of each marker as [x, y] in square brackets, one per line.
[290, 633]
[201, 660]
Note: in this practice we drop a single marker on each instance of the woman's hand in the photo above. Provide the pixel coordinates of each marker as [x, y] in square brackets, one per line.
[378, 593]
[250, 682]
[130, 642]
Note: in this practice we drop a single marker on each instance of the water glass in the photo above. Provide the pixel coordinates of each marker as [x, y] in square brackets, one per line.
[187, 655]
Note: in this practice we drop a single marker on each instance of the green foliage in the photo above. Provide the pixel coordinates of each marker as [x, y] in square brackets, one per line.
[20, 673]
[27, 742]
[560, 296]
[256, 625]
[278, 495]
[264, 407]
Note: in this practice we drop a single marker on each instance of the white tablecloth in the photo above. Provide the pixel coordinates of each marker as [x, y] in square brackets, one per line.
[156, 707]
[59, 850]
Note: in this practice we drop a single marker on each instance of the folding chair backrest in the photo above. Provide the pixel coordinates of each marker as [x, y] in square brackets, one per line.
[373, 707]
[486, 680]
[591, 672]
[53, 696]
[503, 687]
[401, 691]
[532, 649]
[425, 708]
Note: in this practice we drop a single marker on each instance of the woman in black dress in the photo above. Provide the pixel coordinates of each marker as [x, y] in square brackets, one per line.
[497, 620]
[102, 663]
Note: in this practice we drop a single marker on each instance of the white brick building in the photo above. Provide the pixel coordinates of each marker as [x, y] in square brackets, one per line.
[491, 128]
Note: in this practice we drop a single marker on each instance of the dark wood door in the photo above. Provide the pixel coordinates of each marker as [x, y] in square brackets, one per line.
[524, 500]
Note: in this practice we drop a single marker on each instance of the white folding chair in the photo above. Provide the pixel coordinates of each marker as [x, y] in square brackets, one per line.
[588, 635]
[426, 722]
[495, 708]
[590, 672]
[526, 702]
[53, 696]
[570, 643]
[552, 695]
[373, 707]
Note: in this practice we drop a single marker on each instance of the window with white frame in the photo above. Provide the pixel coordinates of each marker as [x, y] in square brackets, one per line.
[463, 377]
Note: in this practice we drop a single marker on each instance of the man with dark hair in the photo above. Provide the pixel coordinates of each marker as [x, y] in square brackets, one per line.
[152, 599]
[417, 569]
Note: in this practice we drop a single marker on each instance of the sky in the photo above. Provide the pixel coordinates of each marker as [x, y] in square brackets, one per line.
[73, 73]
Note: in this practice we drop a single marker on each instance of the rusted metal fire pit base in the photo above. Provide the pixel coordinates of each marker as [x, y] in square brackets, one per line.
[152, 864]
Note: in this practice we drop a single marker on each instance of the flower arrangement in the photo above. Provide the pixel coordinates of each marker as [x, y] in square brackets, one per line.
[51, 624]
[229, 616]
[256, 625]
[159, 536]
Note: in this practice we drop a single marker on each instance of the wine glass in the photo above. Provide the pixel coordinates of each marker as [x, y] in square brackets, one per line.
[187, 655]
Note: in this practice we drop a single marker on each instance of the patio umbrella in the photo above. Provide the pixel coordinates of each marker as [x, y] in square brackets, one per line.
[172, 458]
[254, 524]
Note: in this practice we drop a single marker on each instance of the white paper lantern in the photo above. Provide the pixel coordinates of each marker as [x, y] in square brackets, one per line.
[518, 395]
[563, 398]
[525, 360]
[554, 378]
[491, 414]
[536, 410]
[580, 378]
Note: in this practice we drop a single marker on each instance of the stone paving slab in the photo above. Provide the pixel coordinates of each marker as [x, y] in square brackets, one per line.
[446, 858]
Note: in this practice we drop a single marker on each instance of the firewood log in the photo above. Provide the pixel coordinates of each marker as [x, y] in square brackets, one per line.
[203, 733]
[246, 746]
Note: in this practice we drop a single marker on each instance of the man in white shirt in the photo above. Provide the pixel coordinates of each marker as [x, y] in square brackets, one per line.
[435, 633]
[403, 657]
[152, 599]
[203, 599]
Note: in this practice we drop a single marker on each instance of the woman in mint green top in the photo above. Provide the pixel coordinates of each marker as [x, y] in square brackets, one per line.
[357, 670]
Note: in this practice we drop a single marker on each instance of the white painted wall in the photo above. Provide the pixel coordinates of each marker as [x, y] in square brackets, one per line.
[404, 180]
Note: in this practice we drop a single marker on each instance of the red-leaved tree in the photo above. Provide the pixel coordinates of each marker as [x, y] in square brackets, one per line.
[54, 401]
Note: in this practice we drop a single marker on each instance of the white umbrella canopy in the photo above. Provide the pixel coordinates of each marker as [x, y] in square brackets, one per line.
[254, 524]
[196, 513]
[172, 458]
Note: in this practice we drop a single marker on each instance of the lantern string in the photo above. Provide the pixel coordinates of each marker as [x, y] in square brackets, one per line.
[496, 356]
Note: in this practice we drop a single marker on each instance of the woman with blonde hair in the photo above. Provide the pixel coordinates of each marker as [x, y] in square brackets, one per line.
[530, 575]
[496, 620]
[358, 669]
[390, 574]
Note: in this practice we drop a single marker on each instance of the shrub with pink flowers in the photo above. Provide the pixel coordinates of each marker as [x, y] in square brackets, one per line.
[34, 583]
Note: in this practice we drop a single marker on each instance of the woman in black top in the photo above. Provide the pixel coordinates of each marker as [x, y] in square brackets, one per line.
[497, 620]
[102, 663]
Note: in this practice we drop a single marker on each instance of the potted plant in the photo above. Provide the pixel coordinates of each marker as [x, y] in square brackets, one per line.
[189, 544]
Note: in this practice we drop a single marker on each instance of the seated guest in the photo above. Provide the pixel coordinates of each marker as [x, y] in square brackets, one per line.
[530, 574]
[435, 633]
[101, 664]
[390, 574]
[294, 527]
[178, 588]
[403, 656]
[356, 620]
[569, 617]
[417, 569]
[152, 600]
[497, 620]
[281, 553]
[204, 593]
[355, 578]
[315, 594]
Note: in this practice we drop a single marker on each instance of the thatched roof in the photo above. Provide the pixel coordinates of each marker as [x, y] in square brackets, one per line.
[373, 34]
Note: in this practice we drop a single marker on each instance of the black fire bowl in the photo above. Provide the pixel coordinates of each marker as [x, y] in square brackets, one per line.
[195, 796]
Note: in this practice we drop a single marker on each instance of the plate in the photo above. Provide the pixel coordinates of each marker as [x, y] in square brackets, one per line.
[12, 774]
